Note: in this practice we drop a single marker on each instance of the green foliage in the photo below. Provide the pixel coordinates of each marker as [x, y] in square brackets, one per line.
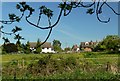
[90, 11]
[6, 40]
[13, 17]
[19, 46]
[65, 6]
[62, 6]
[38, 48]
[57, 49]
[44, 10]
[67, 49]
[9, 48]
[22, 6]
[89, 55]
[111, 44]
[57, 66]
[16, 29]
[18, 37]
[17, 6]
[57, 45]
[27, 48]
[70, 61]
[13, 62]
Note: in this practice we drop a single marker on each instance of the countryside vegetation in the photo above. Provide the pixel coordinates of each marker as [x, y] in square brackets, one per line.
[100, 64]
[61, 66]
[18, 62]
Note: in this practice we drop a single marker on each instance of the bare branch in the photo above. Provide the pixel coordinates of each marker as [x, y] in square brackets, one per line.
[66, 9]
[97, 12]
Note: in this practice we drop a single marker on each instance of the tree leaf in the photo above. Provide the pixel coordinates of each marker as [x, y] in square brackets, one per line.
[16, 29]
[90, 11]
[18, 6]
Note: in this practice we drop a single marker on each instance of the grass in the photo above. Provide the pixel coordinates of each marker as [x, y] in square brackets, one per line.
[9, 57]
[28, 57]
[58, 66]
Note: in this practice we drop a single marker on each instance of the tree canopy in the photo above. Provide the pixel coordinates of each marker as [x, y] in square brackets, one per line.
[38, 48]
[111, 43]
[57, 45]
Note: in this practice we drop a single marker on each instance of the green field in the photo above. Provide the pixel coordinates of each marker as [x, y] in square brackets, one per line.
[60, 66]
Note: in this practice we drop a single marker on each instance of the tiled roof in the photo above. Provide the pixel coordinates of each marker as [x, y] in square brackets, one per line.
[87, 44]
[45, 45]
[75, 47]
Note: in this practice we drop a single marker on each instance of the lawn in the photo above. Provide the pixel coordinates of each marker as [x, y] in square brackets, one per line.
[59, 66]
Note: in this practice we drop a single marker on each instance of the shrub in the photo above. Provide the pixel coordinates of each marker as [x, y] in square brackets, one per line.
[89, 55]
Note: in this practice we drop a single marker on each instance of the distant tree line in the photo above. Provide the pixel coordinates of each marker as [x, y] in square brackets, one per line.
[8, 47]
[110, 44]
[15, 48]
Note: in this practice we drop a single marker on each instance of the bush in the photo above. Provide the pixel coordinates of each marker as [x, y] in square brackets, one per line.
[89, 55]
[9, 48]
[50, 67]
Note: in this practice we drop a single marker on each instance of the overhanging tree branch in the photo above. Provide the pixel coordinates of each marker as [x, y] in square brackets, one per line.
[46, 27]
[65, 8]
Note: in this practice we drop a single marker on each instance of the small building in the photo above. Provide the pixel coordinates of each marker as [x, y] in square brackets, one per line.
[46, 47]
[75, 48]
[88, 46]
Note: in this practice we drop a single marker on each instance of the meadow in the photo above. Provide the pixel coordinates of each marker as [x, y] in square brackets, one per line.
[89, 65]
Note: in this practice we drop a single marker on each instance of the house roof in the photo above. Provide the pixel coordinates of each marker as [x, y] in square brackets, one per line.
[32, 44]
[75, 47]
[88, 44]
[45, 45]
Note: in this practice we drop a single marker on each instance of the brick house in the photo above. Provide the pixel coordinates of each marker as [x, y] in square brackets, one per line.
[88, 46]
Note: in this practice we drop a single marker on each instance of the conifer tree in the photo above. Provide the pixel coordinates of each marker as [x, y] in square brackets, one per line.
[38, 47]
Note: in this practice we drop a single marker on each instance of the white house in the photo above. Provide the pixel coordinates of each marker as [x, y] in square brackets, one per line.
[46, 47]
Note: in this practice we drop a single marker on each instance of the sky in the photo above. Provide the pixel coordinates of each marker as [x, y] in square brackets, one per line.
[72, 29]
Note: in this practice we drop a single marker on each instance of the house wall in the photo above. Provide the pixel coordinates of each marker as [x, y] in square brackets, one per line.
[87, 49]
[47, 50]
[78, 49]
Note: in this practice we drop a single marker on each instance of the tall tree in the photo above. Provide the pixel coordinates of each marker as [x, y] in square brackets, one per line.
[67, 49]
[6, 40]
[19, 46]
[18, 42]
[38, 47]
[110, 43]
[57, 45]
[27, 47]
